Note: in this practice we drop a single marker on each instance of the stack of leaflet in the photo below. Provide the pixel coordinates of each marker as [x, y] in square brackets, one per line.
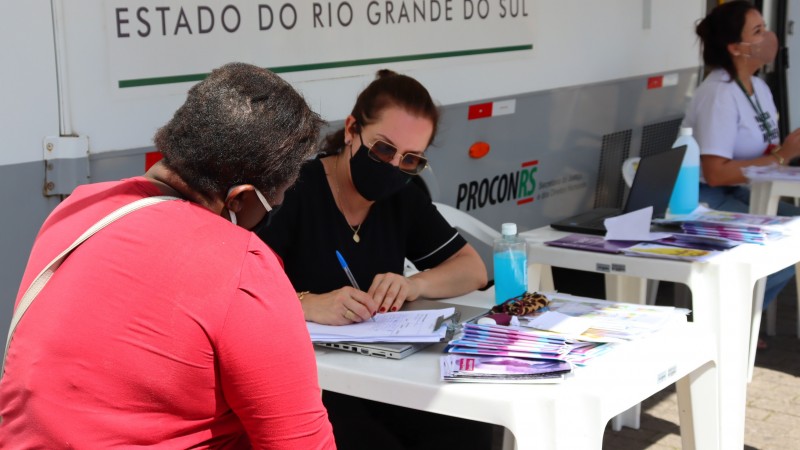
[571, 329]
[501, 369]
[498, 340]
[400, 326]
[748, 228]
[594, 320]
[771, 173]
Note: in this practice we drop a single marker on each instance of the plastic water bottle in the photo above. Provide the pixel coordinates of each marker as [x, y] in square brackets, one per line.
[510, 264]
[685, 195]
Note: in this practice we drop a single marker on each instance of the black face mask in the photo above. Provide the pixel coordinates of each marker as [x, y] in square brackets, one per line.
[264, 223]
[375, 180]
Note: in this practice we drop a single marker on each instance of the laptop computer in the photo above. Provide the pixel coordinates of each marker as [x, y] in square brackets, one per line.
[401, 350]
[652, 186]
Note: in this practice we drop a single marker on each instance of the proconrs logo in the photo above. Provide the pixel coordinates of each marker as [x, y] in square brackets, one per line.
[516, 186]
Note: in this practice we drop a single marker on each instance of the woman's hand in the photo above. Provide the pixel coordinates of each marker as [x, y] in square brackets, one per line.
[391, 290]
[340, 307]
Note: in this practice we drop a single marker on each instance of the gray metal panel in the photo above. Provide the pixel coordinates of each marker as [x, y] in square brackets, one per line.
[560, 132]
[24, 209]
[64, 175]
[610, 186]
[657, 137]
[21, 188]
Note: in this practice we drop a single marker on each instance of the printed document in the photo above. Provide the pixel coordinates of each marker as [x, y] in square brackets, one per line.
[401, 326]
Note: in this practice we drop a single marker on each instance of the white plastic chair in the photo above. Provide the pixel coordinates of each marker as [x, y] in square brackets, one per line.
[468, 224]
[486, 234]
[629, 167]
[464, 222]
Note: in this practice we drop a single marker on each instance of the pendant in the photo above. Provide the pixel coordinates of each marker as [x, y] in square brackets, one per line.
[356, 237]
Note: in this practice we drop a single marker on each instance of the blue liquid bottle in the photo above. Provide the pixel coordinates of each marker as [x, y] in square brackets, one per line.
[685, 195]
[510, 264]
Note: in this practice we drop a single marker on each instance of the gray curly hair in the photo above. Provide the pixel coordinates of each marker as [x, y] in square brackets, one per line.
[241, 125]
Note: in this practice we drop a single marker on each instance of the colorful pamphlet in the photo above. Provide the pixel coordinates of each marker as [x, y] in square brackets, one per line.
[591, 243]
[683, 246]
[500, 369]
[605, 325]
[742, 227]
[699, 242]
[654, 250]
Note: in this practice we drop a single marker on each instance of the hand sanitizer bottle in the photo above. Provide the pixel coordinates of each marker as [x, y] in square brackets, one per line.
[510, 264]
[685, 195]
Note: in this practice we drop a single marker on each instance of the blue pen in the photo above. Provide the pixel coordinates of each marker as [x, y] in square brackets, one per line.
[349, 273]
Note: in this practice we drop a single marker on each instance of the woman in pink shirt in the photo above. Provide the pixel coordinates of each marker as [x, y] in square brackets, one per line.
[175, 326]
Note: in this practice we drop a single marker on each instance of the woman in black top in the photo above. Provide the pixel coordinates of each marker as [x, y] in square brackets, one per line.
[357, 199]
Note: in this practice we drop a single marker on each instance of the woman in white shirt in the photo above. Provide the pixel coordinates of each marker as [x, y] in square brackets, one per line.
[733, 115]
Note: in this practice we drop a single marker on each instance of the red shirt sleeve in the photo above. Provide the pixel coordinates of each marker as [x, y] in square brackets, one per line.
[266, 360]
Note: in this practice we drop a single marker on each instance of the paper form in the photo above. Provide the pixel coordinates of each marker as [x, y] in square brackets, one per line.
[401, 326]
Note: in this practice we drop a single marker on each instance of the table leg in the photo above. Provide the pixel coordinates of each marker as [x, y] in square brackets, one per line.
[761, 198]
[565, 424]
[697, 400]
[722, 304]
[540, 278]
[622, 288]
[755, 325]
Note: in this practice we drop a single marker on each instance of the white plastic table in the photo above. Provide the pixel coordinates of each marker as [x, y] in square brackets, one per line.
[569, 415]
[764, 198]
[722, 293]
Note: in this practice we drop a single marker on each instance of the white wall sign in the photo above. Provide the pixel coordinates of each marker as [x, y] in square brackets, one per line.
[154, 42]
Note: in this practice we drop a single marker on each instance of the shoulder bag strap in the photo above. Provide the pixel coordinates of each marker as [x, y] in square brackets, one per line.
[44, 276]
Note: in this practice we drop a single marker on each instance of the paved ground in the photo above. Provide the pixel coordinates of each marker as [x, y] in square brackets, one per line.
[773, 397]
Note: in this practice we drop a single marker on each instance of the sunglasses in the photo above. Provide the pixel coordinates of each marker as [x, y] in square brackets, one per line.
[410, 163]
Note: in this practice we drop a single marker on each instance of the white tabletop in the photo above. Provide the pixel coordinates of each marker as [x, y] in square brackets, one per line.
[722, 292]
[572, 414]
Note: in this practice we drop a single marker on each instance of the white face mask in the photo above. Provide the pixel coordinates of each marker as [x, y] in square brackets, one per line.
[260, 197]
[765, 50]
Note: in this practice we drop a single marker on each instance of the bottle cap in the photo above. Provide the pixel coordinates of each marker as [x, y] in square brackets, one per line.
[685, 131]
[509, 229]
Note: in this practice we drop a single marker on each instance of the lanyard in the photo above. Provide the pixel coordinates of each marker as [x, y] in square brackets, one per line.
[761, 116]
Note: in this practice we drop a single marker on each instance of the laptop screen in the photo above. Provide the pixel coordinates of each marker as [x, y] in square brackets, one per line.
[654, 181]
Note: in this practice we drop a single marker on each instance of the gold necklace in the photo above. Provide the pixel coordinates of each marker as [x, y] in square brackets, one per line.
[355, 230]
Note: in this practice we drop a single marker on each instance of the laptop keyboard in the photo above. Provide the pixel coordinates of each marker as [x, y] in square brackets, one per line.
[598, 223]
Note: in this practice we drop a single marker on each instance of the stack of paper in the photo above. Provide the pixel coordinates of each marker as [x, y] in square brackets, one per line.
[401, 326]
[681, 246]
[594, 320]
[572, 329]
[497, 340]
[742, 227]
[699, 242]
[656, 250]
[590, 243]
[771, 173]
[489, 369]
